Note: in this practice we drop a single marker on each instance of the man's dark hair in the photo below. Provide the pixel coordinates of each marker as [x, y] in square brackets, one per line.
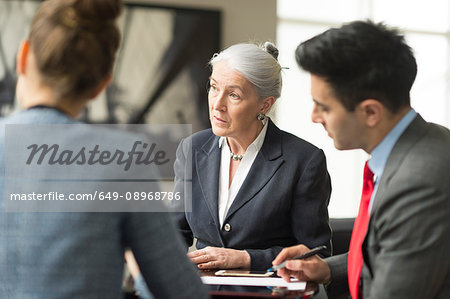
[362, 60]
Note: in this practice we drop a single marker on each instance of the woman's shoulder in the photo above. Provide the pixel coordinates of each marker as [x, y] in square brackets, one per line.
[204, 134]
[42, 115]
[290, 140]
[198, 139]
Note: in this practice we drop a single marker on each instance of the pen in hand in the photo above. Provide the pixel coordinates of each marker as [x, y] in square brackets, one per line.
[300, 257]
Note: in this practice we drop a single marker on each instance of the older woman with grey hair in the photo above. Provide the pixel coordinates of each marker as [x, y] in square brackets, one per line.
[250, 189]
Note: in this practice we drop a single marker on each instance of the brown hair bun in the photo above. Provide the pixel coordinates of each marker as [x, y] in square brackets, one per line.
[100, 10]
[75, 43]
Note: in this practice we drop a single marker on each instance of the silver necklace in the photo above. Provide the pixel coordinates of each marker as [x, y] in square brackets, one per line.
[236, 157]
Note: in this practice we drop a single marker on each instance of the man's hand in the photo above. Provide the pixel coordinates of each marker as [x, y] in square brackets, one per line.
[310, 269]
[220, 258]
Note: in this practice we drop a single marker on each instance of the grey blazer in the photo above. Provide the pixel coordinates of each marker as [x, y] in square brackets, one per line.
[407, 247]
[81, 255]
[283, 200]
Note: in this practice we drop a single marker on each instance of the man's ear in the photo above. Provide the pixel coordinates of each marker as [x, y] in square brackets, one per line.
[21, 58]
[372, 111]
[101, 86]
[267, 104]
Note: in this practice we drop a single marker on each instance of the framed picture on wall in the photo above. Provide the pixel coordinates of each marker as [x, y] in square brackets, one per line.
[161, 71]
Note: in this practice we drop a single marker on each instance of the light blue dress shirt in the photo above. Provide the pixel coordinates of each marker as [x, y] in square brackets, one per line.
[382, 151]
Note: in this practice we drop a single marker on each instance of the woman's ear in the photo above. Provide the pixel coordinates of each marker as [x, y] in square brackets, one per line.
[21, 58]
[267, 104]
[372, 112]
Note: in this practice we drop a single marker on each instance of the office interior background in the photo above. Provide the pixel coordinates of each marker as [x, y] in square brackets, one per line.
[426, 25]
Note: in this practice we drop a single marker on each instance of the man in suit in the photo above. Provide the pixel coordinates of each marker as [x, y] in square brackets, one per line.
[361, 75]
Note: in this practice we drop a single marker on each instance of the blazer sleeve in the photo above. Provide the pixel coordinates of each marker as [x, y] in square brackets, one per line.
[183, 179]
[309, 212]
[338, 286]
[261, 259]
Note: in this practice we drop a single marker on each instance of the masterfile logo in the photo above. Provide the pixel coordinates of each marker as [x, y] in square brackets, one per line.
[140, 153]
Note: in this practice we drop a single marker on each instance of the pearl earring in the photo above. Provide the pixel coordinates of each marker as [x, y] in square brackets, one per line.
[261, 116]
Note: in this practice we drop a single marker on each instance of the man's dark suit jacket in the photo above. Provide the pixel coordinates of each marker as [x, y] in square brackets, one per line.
[407, 247]
[282, 202]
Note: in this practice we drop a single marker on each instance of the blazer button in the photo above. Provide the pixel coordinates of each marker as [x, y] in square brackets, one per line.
[227, 227]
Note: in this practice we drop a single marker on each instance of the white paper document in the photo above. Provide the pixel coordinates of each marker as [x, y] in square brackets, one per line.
[294, 285]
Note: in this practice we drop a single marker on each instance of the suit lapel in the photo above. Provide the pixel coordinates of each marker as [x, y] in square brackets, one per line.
[406, 141]
[410, 136]
[264, 167]
[208, 166]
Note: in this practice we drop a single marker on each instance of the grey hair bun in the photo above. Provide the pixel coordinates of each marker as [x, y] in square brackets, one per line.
[271, 49]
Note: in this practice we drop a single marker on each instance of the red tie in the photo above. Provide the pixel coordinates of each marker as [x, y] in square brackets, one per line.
[355, 259]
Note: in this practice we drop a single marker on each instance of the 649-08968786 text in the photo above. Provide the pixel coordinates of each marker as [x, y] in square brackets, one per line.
[102, 196]
[158, 195]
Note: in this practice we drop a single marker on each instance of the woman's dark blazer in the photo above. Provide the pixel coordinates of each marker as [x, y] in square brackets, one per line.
[282, 202]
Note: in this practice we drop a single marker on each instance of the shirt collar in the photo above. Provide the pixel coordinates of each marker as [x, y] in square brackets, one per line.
[258, 142]
[381, 152]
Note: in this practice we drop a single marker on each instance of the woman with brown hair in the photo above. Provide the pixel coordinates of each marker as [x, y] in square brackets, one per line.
[66, 61]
